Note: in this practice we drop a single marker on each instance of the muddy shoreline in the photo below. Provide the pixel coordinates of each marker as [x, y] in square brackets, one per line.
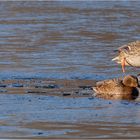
[64, 40]
[73, 88]
[44, 108]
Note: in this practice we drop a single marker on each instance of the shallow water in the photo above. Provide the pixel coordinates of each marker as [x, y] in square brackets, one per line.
[40, 116]
[65, 40]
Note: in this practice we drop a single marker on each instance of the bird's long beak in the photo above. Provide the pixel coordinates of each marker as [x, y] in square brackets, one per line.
[116, 59]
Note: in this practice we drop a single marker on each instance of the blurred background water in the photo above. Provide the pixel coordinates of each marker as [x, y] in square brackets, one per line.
[65, 39]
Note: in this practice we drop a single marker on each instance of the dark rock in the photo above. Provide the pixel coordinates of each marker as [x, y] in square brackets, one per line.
[66, 94]
[91, 98]
[86, 87]
[40, 133]
[47, 86]
[17, 85]
[4, 86]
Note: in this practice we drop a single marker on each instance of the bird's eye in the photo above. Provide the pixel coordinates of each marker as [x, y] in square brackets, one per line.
[127, 48]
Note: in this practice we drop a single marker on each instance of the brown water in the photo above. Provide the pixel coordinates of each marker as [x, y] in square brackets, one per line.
[65, 40]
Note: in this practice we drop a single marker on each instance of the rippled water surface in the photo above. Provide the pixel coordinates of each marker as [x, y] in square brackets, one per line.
[64, 40]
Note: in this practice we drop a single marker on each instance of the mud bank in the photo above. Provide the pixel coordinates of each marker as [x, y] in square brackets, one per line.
[44, 108]
[49, 87]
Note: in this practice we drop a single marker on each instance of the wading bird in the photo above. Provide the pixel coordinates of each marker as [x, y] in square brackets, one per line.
[129, 55]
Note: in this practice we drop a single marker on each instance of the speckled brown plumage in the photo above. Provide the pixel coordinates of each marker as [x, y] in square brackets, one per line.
[119, 88]
[129, 55]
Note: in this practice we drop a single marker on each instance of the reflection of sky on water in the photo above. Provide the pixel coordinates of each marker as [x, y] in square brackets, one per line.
[121, 116]
[72, 110]
[65, 39]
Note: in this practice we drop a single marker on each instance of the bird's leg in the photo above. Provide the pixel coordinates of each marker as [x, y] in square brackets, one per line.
[123, 64]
